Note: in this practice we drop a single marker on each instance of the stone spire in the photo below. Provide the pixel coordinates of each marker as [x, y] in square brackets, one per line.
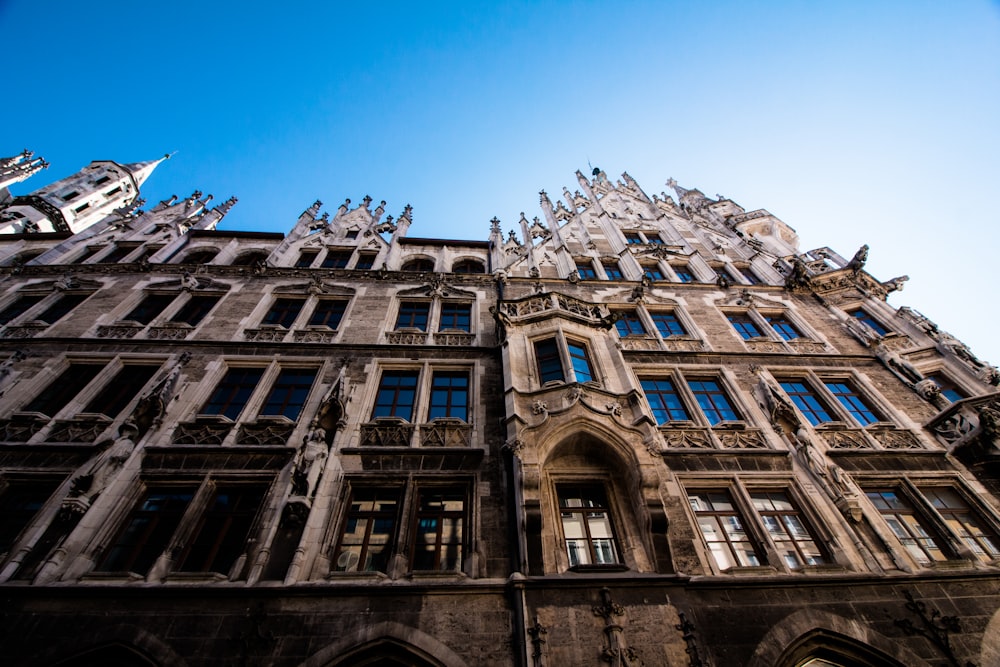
[140, 171]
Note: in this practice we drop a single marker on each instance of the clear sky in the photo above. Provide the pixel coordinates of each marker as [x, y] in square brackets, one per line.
[854, 122]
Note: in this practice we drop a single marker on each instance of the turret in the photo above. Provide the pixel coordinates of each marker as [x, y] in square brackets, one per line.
[16, 169]
[77, 201]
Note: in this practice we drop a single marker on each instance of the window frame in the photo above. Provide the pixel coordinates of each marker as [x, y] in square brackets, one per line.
[594, 490]
[423, 389]
[256, 398]
[569, 363]
[865, 316]
[818, 384]
[584, 269]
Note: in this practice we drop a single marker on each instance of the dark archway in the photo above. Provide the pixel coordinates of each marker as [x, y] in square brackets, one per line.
[109, 655]
[384, 653]
[829, 649]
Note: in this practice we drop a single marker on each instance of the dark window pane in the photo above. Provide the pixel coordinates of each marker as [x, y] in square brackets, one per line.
[62, 307]
[581, 363]
[195, 309]
[668, 325]
[306, 258]
[806, 401]
[683, 274]
[369, 531]
[19, 307]
[283, 312]
[413, 315]
[791, 535]
[123, 387]
[586, 271]
[439, 539]
[147, 531]
[721, 525]
[863, 316]
[60, 392]
[783, 326]
[19, 503]
[225, 525]
[337, 259]
[366, 260]
[456, 316]
[149, 308]
[586, 524]
[549, 364]
[396, 393]
[850, 399]
[652, 272]
[328, 313]
[450, 395]
[613, 272]
[912, 529]
[423, 265]
[468, 266]
[744, 326]
[664, 401]
[629, 324]
[712, 401]
[231, 395]
[289, 392]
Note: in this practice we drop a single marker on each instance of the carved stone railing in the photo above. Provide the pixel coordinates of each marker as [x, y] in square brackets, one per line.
[806, 346]
[745, 438]
[79, 430]
[972, 423]
[542, 303]
[844, 438]
[265, 335]
[387, 432]
[897, 342]
[314, 336]
[678, 344]
[891, 438]
[119, 331]
[23, 331]
[201, 433]
[20, 428]
[453, 338]
[265, 433]
[685, 438]
[446, 433]
[639, 343]
[764, 345]
[406, 337]
[174, 332]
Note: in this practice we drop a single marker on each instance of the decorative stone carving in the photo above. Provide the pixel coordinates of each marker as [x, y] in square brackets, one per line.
[309, 461]
[446, 433]
[387, 432]
[893, 439]
[169, 332]
[275, 335]
[314, 336]
[78, 430]
[748, 439]
[118, 331]
[201, 433]
[20, 429]
[844, 439]
[265, 433]
[682, 438]
[100, 471]
[23, 331]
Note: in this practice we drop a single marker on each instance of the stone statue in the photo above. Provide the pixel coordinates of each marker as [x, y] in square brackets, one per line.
[773, 401]
[902, 368]
[100, 471]
[858, 261]
[309, 462]
[188, 281]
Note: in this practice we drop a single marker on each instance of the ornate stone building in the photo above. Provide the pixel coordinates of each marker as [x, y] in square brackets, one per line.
[638, 430]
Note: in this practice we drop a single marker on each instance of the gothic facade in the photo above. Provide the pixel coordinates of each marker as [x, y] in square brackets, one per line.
[638, 430]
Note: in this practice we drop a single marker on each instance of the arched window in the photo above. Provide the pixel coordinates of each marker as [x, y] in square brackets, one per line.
[200, 256]
[468, 266]
[250, 258]
[421, 264]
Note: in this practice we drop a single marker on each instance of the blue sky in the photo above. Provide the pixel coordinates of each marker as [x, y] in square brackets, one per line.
[854, 122]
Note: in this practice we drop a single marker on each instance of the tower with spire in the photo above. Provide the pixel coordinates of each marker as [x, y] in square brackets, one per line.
[73, 203]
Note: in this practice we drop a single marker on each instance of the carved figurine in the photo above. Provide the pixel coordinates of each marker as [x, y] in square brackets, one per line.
[902, 368]
[773, 401]
[102, 469]
[309, 462]
[858, 261]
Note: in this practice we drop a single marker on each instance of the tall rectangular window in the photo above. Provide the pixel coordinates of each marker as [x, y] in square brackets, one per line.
[456, 316]
[549, 362]
[120, 252]
[233, 392]
[862, 315]
[366, 261]
[63, 389]
[667, 324]
[19, 503]
[19, 307]
[223, 529]
[396, 394]
[613, 271]
[806, 401]
[337, 259]
[744, 325]
[629, 324]
[328, 313]
[306, 258]
[413, 315]
[750, 276]
[195, 310]
[684, 274]
[783, 326]
[585, 270]
[948, 388]
[633, 238]
[964, 522]
[369, 530]
[449, 395]
[722, 527]
[439, 539]
[913, 530]
[62, 307]
[663, 399]
[580, 361]
[784, 523]
[123, 387]
[147, 532]
[850, 399]
[652, 272]
[586, 525]
[283, 312]
[289, 392]
[151, 306]
[713, 401]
